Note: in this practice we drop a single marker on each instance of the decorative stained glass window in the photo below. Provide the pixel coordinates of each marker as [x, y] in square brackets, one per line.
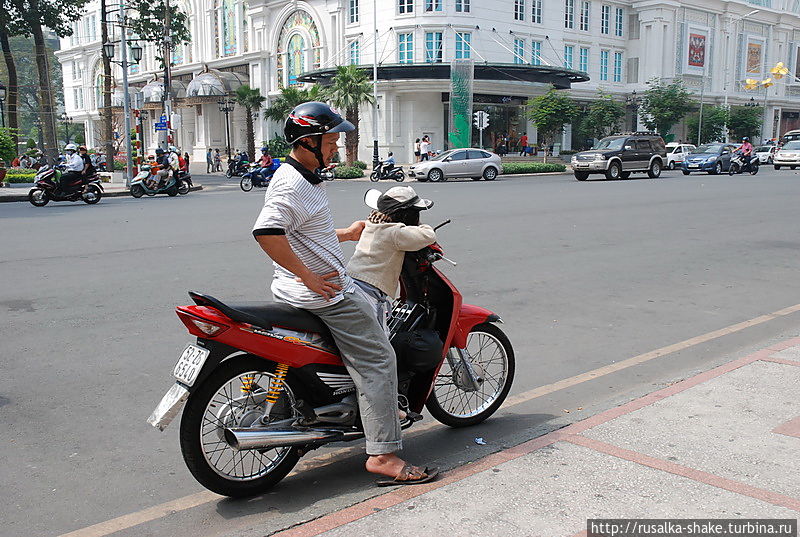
[245, 29]
[302, 21]
[295, 58]
[228, 28]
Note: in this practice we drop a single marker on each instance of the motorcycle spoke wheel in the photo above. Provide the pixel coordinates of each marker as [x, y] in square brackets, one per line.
[454, 401]
[246, 184]
[38, 197]
[234, 396]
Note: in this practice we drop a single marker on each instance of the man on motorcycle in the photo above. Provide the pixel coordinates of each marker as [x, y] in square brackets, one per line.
[73, 167]
[266, 159]
[747, 150]
[295, 229]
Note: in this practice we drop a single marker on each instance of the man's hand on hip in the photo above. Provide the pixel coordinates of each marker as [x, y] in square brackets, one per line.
[321, 285]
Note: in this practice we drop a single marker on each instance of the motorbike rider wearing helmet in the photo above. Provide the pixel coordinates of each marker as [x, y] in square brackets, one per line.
[295, 229]
[73, 167]
[88, 166]
[747, 150]
[266, 159]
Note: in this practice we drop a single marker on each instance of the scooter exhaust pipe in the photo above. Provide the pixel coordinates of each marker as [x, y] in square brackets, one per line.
[272, 437]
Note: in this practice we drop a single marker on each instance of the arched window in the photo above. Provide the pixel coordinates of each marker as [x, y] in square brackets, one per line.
[299, 48]
[97, 81]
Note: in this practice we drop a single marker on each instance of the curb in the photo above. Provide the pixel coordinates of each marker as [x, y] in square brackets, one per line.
[113, 194]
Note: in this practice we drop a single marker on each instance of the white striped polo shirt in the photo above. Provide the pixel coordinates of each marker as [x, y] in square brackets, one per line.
[296, 204]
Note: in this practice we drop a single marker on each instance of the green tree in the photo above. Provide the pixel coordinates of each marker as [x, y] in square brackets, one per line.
[146, 20]
[713, 128]
[746, 121]
[8, 148]
[549, 112]
[34, 16]
[252, 101]
[290, 97]
[603, 117]
[349, 89]
[663, 105]
[12, 26]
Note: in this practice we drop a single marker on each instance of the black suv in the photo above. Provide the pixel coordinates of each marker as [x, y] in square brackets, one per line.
[622, 154]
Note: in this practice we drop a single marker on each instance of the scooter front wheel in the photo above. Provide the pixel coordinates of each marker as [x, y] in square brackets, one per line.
[137, 191]
[234, 396]
[374, 177]
[468, 391]
[38, 197]
[246, 184]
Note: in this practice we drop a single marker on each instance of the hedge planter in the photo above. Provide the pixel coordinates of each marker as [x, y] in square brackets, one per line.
[514, 168]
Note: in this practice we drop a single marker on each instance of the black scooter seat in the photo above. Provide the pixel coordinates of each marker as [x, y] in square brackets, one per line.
[266, 314]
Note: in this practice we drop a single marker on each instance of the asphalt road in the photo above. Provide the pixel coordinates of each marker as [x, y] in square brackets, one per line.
[584, 274]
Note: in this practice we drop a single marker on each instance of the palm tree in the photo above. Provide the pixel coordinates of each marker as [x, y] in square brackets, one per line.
[349, 89]
[291, 97]
[252, 100]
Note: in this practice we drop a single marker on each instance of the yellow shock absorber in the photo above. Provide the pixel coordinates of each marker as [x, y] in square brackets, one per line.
[276, 384]
[247, 384]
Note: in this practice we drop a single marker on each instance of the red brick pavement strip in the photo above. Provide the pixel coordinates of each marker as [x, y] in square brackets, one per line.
[404, 493]
[790, 428]
[783, 361]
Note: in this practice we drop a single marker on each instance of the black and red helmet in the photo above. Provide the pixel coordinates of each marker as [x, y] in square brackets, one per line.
[312, 119]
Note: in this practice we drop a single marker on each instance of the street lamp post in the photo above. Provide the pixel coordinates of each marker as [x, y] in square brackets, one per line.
[375, 156]
[136, 54]
[2, 103]
[67, 121]
[226, 107]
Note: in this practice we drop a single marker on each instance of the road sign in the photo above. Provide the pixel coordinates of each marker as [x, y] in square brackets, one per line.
[160, 126]
[162, 119]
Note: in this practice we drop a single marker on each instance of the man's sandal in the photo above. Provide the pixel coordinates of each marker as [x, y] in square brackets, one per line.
[411, 475]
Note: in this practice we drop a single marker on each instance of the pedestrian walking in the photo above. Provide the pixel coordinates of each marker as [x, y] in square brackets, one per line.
[209, 161]
[417, 150]
[523, 145]
[425, 148]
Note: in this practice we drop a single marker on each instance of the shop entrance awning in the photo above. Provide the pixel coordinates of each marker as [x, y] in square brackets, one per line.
[560, 77]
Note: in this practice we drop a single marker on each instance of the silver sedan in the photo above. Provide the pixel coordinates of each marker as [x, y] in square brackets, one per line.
[474, 163]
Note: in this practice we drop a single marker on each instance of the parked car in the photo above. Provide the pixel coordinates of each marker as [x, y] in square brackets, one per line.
[470, 162]
[622, 154]
[676, 153]
[790, 136]
[788, 155]
[766, 153]
[712, 158]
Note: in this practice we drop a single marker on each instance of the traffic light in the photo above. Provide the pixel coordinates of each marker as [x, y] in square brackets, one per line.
[480, 119]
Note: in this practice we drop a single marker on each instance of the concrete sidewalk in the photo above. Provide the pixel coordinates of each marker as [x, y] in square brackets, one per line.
[19, 191]
[720, 445]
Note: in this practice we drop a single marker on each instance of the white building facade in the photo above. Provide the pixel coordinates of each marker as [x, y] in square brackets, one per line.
[518, 47]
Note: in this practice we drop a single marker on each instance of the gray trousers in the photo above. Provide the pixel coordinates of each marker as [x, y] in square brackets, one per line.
[370, 360]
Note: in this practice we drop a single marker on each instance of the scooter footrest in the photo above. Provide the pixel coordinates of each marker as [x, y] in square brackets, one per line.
[413, 416]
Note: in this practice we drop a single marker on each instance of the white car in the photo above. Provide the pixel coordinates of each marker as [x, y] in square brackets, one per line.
[766, 153]
[788, 155]
[470, 162]
[676, 154]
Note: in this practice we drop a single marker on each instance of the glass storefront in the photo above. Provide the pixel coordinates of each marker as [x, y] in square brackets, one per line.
[507, 122]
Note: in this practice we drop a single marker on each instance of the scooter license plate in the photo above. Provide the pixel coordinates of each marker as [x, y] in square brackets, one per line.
[189, 364]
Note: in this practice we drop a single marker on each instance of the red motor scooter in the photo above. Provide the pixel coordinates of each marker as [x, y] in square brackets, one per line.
[264, 383]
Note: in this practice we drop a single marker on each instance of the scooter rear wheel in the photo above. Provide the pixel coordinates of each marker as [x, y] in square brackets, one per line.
[183, 188]
[454, 401]
[233, 396]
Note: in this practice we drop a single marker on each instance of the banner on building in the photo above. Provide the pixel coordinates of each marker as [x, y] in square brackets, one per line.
[697, 49]
[462, 75]
[754, 56]
[797, 63]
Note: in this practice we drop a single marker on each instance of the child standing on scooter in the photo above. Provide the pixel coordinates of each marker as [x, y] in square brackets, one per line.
[392, 229]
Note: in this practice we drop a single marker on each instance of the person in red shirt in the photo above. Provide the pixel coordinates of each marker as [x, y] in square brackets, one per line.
[523, 145]
[266, 159]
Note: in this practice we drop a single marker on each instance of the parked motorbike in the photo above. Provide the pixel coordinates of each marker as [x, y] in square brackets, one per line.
[387, 171]
[738, 165]
[264, 383]
[237, 167]
[47, 181]
[147, 181]
[259, 176]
